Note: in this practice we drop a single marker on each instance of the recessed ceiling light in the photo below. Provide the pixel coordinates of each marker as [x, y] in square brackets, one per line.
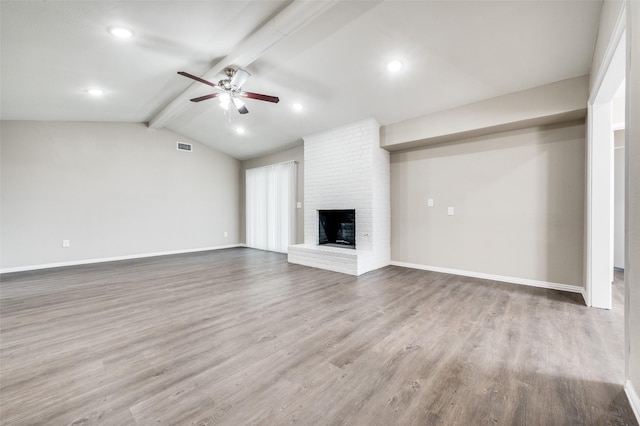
[95, 92]
[120, 32]
[297, 107]
[240, 130]
[394, 65]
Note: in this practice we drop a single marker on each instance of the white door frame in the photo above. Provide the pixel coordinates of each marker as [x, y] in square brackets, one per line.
[599, 261]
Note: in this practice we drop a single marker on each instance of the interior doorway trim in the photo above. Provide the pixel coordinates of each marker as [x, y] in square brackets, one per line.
[599, 232]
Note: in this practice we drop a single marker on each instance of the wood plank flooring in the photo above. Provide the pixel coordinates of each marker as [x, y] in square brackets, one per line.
[240, 336]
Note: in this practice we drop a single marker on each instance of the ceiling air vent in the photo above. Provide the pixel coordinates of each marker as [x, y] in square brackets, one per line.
[184, 146]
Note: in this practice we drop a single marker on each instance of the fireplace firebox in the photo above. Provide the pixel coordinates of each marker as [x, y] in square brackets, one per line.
[337, 228]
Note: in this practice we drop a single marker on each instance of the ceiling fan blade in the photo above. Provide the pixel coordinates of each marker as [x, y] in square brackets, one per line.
[240, 77]
[259, 97]
[205, 97]
[240, 106]
[193, 77]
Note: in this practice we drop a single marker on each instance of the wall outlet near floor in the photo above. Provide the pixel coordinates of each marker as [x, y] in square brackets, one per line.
[430, 202]
[226, 234]
[66, 243]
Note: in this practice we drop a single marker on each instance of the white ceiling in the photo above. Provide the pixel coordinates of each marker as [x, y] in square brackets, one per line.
[454, 53]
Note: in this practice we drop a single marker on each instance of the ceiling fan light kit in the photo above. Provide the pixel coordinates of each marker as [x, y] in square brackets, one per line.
[231, 90]
[224, 101]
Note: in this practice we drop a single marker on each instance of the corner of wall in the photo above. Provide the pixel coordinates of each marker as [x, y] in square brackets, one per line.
[634, 399]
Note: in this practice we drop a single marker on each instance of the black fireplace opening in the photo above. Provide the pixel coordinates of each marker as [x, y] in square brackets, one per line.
[337, 228]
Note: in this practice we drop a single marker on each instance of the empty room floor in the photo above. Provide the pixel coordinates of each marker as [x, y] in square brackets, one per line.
[240, 336]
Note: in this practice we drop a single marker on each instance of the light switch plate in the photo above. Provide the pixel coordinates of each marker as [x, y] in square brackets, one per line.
[450, 211]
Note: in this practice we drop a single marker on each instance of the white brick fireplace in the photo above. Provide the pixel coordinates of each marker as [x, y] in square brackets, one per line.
[345, 168]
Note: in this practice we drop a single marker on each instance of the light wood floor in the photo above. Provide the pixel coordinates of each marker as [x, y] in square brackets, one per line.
[240, 336]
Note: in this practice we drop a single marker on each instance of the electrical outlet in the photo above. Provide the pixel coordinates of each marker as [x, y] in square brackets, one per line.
[450, 211]
[66, 243]
[226, 234]
[430, 202]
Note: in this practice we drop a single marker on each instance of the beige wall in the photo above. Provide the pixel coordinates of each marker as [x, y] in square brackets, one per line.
[608, 17]
[519, 204]
[632, 269]
[112, 189]
[292, 154]
[548, 104]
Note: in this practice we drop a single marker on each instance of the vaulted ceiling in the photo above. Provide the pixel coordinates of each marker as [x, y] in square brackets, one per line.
[330, 57]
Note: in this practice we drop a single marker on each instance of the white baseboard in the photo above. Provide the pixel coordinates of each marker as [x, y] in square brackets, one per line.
[112, 259]
[585, 297]
[512, 280]
[633, 398]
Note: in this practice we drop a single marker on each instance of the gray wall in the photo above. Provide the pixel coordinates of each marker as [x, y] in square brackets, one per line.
[112, 189]
[519, 204]
[632, 268]
[292, 154]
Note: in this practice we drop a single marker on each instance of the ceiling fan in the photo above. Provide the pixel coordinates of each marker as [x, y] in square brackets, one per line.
[231, 90]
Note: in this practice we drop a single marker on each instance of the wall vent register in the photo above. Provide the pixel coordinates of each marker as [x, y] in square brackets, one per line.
[337, 228]
[184, 146]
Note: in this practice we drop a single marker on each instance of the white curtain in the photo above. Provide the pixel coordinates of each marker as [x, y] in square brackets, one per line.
[270, 206]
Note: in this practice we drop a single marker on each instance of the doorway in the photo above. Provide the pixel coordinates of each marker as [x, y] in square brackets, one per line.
[600, 174]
